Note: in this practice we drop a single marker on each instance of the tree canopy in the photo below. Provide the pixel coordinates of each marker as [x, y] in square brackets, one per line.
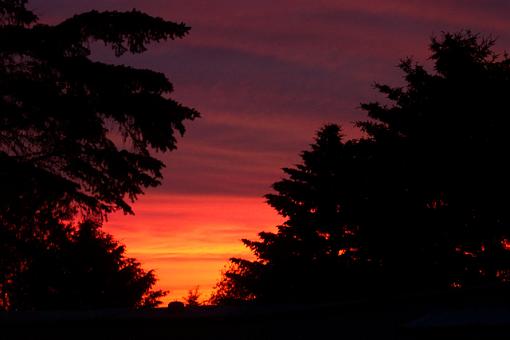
[77, 138]
[77, 267]
[85, 126]
[418, 204]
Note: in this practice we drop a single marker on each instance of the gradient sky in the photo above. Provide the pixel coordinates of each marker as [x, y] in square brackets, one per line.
[265, 75]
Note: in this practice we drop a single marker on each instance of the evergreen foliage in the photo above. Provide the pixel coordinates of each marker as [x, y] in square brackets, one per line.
[419, 204]
[76, 143]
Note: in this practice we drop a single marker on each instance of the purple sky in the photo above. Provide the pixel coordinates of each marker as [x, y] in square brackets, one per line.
[265, 75]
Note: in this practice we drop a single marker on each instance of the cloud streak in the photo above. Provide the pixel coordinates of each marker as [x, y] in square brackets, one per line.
[188, 239]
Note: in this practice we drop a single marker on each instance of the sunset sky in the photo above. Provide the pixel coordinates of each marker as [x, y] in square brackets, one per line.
[265, 75]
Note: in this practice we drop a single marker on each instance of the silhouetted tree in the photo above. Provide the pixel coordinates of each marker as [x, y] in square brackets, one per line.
[419, 204]
[82, 267]
[64, 116]
[436, 215]
[314, 255]
[76, 135]
[238, 283]
[192, 299]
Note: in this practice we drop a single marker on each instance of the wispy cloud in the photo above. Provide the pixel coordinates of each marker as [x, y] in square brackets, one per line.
[188, 239]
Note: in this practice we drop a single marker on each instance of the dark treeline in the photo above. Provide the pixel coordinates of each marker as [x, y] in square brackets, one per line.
[420, 204]
[62, 167]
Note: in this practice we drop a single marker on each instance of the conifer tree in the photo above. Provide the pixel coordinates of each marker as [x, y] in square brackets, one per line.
[76, 142]
[418, 205]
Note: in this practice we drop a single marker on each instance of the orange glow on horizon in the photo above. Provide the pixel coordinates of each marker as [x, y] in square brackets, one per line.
[188, 239]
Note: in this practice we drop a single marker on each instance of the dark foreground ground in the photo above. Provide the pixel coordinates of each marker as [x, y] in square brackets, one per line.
[472, 315]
